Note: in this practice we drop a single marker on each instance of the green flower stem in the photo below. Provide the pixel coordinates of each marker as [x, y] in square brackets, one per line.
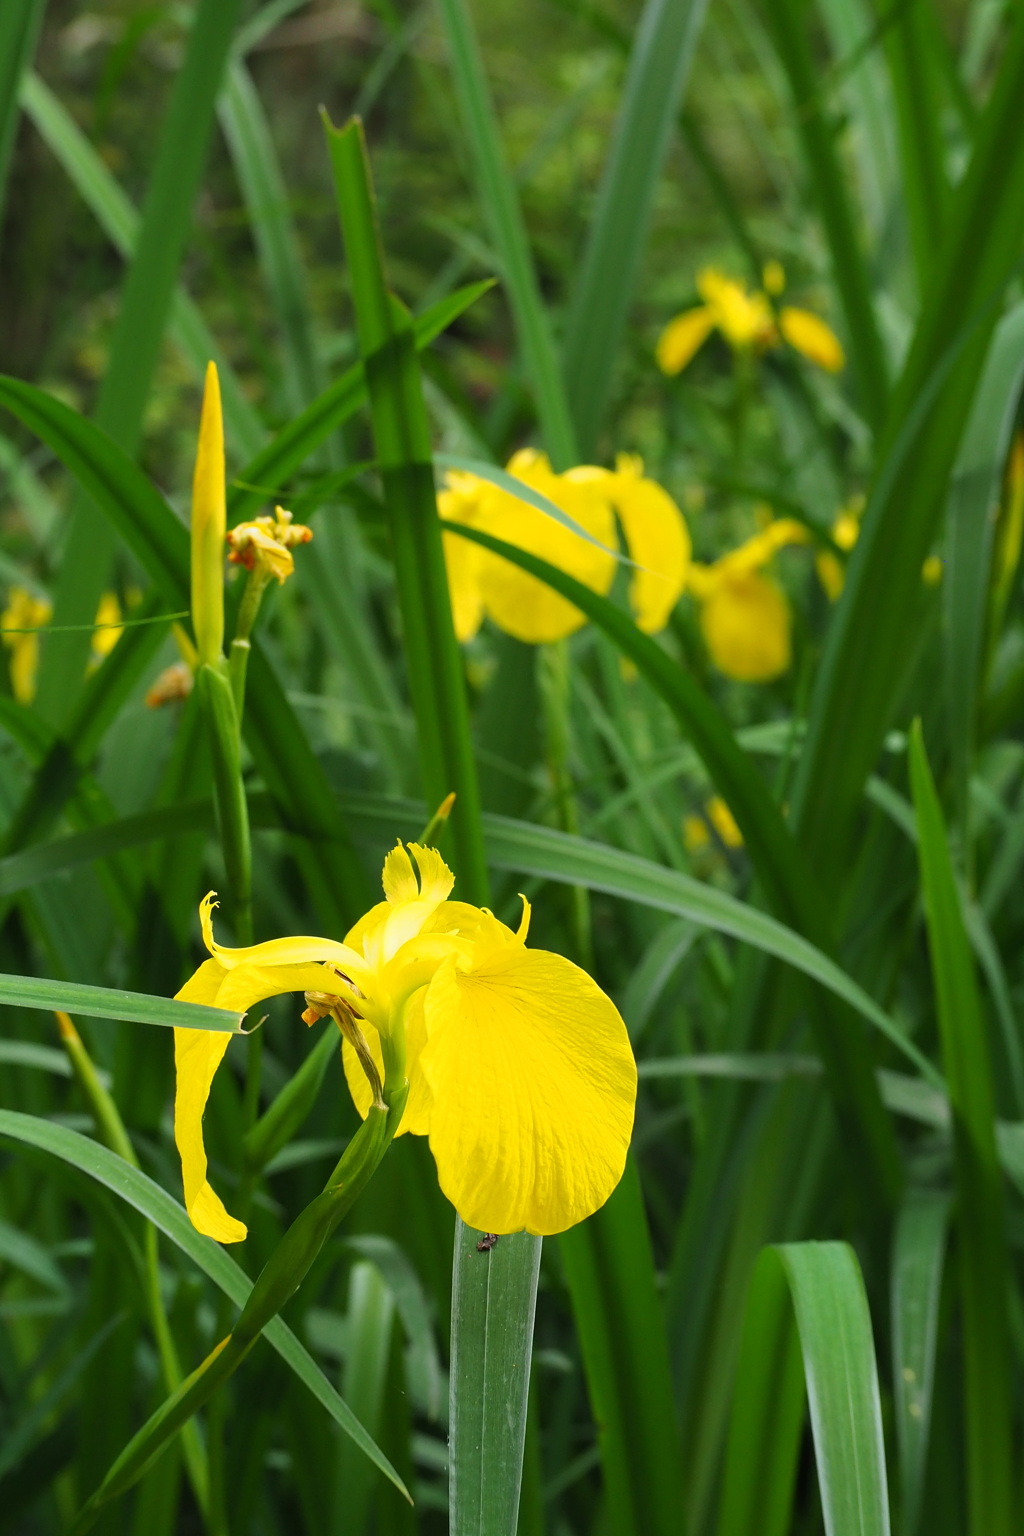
[113, 1132]
[248, 609]
[223, 723]
[279, 1280]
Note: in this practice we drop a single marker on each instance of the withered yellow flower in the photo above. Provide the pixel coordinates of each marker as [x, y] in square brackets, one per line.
[266, 543]
[482, 583]
[519, 1067]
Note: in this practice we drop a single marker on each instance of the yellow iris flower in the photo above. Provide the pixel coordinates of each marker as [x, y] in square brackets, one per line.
[519, 1067]
[695, 828]
[267, 543]
[746, 319]
[24, 612]
[745, 617]
[482, 583]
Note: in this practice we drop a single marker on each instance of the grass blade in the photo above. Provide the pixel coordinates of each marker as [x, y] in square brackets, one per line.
[138, 334]
[973, 499]
[508, 232]
[609, 1268]
[983, 1261]
[788, 22]
[602, 290]
[918, 1256]
[157, 1206]
[879, 615]
[119, 219]
[494, 1294]
[402, 435]
[111, 1003]
[20, 21]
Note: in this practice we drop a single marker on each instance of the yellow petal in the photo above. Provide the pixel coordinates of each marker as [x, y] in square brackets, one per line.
[108, 621]
[683, 337]
[658, 541]
[746, 625]
[724, 822]
[303, 950]
[830, 573]
[745, 319]
[462, 562]
[197, 1055]
[416, 1118]
[810, 335]
[534, 1088]
[774, 278]
[518, 603]
[209, 526]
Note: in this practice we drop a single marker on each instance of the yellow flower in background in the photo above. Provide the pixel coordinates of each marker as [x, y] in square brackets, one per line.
[745, 617]
[109, 628]
[24, 613]
[747, 321]
[483, 584]
[845, 532]
[266, 543]
[520, 1069]
[695, 828]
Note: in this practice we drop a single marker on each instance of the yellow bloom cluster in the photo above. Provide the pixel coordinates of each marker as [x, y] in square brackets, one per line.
[748, 322]
[482, 583]
[267, 543]
[519, 1067]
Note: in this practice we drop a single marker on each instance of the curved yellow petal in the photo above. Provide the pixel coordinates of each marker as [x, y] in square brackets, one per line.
[745, 621]
[683, 338]
[197, 1055]
[658, 540]
[830, 573]
[519, 604]
[534, 1088]
[416, 1119]
[303, 950]
[808, 333]
[459, 503]
[744, 319]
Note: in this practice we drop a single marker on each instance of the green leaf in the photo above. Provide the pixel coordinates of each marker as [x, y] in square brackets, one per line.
[878, 620]
[500, 200]
[973, 498]
[119, 219]
[983, 1260]
[143, 313]
[20, 21]
[918, 1255]
[826, 1297]
[157, 1206]
[303, 435]
[788, 22]
[402, 435]
[603, 286]
[112, 1003]
[609, 1268]
[494, 1295]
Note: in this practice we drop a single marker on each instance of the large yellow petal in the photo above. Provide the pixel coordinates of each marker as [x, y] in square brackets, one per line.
[416, 1118]
[197, 1055]
[534, 1088]
[658, 540]
[809, 334]
[518, 603]
[746, 624]
[683, 338]
[459, 503]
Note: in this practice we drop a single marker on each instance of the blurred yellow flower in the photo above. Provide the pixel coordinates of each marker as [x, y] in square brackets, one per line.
[482, 583]
[845, 532]
[266, 543]
[695, 828]
[745, 618]
[519, 1067]
[24, 613]
[746, 320]
[109, 629]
